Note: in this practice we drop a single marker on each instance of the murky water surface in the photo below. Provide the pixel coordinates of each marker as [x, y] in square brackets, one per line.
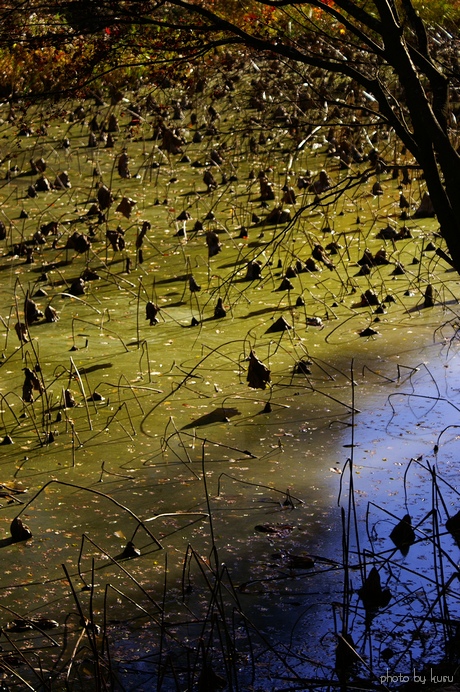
[175, 452]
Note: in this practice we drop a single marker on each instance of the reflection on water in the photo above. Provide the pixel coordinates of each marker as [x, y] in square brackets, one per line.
[280, 471]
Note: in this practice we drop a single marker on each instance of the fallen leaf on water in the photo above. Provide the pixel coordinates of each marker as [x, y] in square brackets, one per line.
[258, 373]
[14, 486]
[278, 530]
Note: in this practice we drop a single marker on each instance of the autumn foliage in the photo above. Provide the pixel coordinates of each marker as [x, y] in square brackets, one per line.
[51, 47]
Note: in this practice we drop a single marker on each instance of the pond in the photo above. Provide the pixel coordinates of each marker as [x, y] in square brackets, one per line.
[188, 528]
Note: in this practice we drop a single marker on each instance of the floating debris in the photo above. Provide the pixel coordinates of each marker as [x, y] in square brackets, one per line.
[258, 374]
[123, 165]
[281, 325]
[31, 384]
[286, 285]
[22, 332]
[130, 551]
[171, 142]
[398, 270]
[278, 215]
[77, 287]
[90, 275]
[310, 265]
[19, 531]
[213, 243]
[116, 239]
[365, 270]
[126, 206]
[302, 367]
[95, 396]
[295, 560]
[219, 310]
[62, 181]
[425, 209]
[31, 311]
[428, 301]
[79, 242]
[368, 332]
[193, 286]
[42, 184]
[151, 312]
[369, 297]
[69, 399]
[314, 322]
[146, 226]
[104, 197]
[276, 530]
[209, 181]
[253, 270]
[453, 526]
[18, 625]
[371, 592]
[267, 192]
[403, 535]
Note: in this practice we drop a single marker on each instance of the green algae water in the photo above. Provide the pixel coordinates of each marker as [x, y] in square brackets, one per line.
[205, 386]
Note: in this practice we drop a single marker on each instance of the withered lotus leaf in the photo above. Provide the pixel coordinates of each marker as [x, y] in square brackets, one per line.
[258, 373]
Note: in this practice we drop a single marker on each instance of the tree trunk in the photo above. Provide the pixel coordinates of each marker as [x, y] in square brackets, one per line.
[430, 143]
[446, 206]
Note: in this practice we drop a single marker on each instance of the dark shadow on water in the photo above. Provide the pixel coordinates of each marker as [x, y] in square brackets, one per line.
[6, 541]
[93, 368]
[262, 311]
[219, 415]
